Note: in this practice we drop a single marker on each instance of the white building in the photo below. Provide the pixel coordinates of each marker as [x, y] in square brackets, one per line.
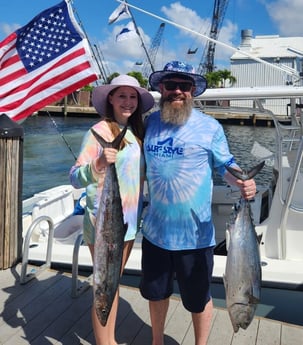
[283, 65]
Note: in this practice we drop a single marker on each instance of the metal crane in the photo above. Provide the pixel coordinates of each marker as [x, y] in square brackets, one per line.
[207, 61]
[148, 65]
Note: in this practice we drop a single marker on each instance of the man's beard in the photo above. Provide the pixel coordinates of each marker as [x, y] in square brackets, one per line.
[174, 113]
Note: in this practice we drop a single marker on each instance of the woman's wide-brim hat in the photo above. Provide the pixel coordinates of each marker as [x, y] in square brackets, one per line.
[100, 93]
[175, 69]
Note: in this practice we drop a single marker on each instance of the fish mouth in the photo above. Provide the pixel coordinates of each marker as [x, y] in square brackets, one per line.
[102, 309]
[241, 315]
[102, 315]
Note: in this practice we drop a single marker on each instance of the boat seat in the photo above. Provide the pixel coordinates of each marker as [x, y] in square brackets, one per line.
[69, 229]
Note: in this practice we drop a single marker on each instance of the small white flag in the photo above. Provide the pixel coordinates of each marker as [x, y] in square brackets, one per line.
[262, 152]
[120, 13]
[127, 32]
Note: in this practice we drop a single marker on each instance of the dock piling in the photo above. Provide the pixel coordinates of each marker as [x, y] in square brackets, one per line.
[11, 168]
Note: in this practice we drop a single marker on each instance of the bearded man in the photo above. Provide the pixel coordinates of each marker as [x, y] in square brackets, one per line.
[182, 147]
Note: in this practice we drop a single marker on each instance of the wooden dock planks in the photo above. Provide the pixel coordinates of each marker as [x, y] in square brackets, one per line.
[43, 312]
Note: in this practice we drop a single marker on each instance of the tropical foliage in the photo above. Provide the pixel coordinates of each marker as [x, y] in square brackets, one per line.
[219, 78]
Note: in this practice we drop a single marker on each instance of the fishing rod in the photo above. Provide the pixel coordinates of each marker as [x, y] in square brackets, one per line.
[62, 135]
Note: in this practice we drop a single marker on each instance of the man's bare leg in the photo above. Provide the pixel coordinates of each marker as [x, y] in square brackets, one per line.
[158, 312]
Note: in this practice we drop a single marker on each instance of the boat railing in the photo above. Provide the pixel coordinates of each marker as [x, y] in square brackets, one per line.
[289, 158]
[25, 277]
[77, 289]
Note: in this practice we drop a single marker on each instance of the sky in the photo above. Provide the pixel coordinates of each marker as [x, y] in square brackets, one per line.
[263, 17]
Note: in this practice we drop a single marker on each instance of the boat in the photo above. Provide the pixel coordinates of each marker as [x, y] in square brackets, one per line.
[53, 233]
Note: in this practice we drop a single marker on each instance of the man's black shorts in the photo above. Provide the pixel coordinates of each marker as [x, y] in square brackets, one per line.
[191, 268]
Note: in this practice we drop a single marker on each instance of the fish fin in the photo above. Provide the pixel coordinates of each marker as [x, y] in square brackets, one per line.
[227, 237]
[236, 173]
[225, 282]
[242, 175]
[195, 218]
[254, 171]
[100, 140]
[253, 299]
[256, 290]
[259, 238]
[125, 228]
[236, 327]
[115, 143]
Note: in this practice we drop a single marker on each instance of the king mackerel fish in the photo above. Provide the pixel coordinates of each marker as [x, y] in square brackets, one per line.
[109, 238]
[242, 279]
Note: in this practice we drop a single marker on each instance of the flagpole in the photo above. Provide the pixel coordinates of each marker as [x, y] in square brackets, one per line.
[91, 47]
[142, 42]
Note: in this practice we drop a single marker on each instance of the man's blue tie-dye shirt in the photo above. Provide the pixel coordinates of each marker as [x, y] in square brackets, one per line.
[180, 161]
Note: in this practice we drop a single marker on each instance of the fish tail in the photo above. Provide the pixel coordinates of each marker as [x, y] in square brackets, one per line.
[254, 171]
[242, 175]
[115, 143]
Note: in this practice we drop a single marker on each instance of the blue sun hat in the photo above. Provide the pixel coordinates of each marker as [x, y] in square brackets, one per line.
[178, 69]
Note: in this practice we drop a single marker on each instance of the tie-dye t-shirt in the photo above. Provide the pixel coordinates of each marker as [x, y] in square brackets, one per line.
[130, 172]
[179, 162]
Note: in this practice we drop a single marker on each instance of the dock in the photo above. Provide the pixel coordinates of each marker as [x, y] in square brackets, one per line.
[43, 312]
[227, 115]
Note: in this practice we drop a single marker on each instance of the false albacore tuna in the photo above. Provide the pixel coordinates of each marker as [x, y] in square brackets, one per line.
[242, 279]
[109, 238]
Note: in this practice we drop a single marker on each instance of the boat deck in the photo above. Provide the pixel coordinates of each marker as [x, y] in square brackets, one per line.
[43, 312]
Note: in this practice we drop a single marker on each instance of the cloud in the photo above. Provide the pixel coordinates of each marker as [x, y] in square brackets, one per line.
[7, 29]
[190, 19]
[122, 56]
[227, 35]
[184, 16]
[287, 15]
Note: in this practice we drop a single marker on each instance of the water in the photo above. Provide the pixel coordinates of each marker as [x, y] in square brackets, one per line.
[241, 140]
[49, 149]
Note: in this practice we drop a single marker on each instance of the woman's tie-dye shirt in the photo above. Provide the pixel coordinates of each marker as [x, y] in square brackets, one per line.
[130, 172]
[179, 162]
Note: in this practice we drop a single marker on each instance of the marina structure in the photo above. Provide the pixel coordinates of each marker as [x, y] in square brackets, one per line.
[284, 54]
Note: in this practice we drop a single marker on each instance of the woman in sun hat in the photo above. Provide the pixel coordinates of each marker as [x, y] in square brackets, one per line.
[120, 103]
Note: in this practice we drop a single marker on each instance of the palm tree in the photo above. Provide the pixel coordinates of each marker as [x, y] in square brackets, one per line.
[219, 78]
[225, 75]
[213, 79]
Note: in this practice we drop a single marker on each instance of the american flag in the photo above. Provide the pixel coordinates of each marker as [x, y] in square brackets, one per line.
[43, 61]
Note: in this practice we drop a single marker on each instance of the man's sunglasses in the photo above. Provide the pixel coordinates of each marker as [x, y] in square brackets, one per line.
[183, 86]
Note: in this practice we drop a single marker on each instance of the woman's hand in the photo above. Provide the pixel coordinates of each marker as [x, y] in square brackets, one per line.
[108, 156]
